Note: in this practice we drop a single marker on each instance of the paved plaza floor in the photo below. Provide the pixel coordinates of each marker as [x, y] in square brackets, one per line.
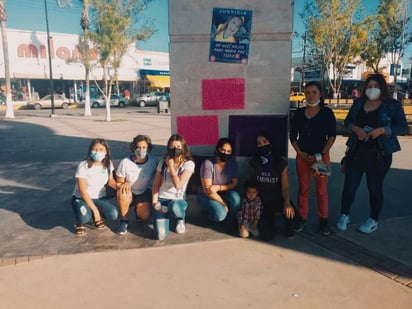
[44, 265]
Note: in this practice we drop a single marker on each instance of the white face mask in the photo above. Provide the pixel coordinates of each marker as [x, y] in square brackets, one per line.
[313, 104]
[373, 93]
[140, 154]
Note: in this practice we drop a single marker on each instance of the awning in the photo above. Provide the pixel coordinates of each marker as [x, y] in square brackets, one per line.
[158, 81]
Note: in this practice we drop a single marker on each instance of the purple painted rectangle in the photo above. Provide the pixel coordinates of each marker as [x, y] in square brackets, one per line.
[243, 131]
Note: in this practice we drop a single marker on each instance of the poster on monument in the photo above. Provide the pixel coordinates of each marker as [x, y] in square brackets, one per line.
[230, 35]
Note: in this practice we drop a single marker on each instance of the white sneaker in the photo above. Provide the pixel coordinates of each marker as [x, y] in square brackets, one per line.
[343, 222]
[254, 232]
[180, 226]
[369, 226]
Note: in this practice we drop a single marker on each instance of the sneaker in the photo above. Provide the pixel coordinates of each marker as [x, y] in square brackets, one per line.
[180, 226]
[343, 222]
[122, 227]
[254, 232]
[324, 228]
[369, 226]
[243, 231]
[299, 224]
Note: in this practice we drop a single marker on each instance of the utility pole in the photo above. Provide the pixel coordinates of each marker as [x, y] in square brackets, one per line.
[50, 62]
[304, 60]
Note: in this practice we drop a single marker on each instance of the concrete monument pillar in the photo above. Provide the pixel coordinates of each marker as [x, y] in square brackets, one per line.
[230, 71]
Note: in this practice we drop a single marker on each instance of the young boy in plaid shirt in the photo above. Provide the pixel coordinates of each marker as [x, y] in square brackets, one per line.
[251, 209]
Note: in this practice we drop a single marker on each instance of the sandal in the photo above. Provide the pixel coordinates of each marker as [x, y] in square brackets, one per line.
[80, 230]
[99, 224]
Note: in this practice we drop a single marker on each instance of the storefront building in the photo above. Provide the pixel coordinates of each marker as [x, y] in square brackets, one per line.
[29, 66]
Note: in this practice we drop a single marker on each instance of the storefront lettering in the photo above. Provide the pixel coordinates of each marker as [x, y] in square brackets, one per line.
[31, 51]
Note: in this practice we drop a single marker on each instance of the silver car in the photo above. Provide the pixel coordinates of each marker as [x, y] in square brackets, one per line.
[115, 100]
[151, 98]
[59, 101]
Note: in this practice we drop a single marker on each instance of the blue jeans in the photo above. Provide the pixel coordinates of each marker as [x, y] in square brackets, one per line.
[177, 210]
[374, 182]
[83, 213]
[215, 210]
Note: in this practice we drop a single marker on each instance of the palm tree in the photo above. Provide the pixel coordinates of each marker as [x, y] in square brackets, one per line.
[84, 46]
[3, 18]
[85, 23]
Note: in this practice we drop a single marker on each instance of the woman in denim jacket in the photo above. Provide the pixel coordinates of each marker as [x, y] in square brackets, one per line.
[374, 120]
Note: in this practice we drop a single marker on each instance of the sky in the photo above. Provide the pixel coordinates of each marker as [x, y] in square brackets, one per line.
[30, 15]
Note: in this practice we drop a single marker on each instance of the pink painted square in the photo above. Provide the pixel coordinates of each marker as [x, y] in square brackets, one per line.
[198, 130]
[219, 94]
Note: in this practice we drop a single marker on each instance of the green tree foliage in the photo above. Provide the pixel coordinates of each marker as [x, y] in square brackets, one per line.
[394, 30]
[375, 48]
[336, 35]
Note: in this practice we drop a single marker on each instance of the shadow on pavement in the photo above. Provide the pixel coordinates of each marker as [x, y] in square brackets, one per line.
[37, 177]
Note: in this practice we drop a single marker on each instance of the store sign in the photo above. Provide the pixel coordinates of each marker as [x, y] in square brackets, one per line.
[61, 52]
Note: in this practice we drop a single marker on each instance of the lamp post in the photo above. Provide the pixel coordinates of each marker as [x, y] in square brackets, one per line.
[50, 62]
[304, 61]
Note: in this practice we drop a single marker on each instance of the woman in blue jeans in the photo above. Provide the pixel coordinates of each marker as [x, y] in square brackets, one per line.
[169, 186]
[89, 195]
[219, 177]
[374, 120]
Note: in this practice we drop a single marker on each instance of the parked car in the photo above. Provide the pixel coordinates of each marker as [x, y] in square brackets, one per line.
[151, 98]
[60, 101]
[115, 100]
[296, 97]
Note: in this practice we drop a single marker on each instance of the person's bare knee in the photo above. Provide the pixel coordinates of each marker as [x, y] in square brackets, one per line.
[143, 210]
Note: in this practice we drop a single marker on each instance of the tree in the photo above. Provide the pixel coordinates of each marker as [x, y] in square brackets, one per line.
[85, 47]
[114, 27]
[336, 37]
[393, 19]
[3, 18]
[112, 37]
[375, 49]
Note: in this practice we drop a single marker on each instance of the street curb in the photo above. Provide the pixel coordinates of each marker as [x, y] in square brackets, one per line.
[383, 265]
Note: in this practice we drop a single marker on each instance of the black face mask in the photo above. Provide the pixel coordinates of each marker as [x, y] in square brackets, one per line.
[174, 152]
[264, 150]
[223, 156]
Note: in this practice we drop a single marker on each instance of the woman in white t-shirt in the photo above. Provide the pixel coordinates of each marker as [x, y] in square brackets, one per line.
[89, 195]
[170, 183]
[134, 178]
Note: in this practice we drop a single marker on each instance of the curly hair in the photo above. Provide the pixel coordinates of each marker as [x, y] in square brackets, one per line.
[140, 138]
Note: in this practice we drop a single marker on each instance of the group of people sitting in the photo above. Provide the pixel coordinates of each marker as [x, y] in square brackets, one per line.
[156, 189]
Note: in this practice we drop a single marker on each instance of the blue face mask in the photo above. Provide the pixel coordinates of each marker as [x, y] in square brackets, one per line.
[97, 156]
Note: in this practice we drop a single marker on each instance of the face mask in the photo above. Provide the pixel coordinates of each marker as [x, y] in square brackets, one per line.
[313, 104]
[140, 154]
[373, 93]
[174, 152]
[264, 150]
[222, 156]
[97, 156]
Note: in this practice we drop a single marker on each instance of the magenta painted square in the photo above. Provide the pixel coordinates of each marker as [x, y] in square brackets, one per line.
[198, 130]
[218, 94]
